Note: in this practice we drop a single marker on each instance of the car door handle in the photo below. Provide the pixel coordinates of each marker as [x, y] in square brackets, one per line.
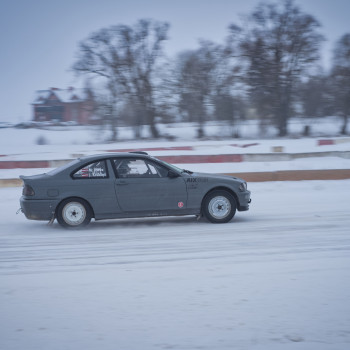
[122, 183]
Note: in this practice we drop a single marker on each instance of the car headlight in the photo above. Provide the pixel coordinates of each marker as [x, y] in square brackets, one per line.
[243, 186]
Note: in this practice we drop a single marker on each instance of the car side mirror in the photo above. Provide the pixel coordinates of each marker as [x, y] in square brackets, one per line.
[172, 174]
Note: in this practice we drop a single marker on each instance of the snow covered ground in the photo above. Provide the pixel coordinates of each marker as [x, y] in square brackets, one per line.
[276, 277]
[249, 129]
[71, 142]
[228, 168]
[63, 141]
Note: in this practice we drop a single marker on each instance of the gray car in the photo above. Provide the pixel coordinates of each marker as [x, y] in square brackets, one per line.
[129, 185]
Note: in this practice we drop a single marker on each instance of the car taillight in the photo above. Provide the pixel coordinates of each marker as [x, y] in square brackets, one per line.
[28, 191]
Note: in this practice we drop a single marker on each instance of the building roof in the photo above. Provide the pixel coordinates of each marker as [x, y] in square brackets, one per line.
[69, 95]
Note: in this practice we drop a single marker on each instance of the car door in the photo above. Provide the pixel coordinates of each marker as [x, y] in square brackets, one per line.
[144, 186]
[94, 183]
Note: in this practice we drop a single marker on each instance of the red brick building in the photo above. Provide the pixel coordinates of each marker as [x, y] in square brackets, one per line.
[64, 105]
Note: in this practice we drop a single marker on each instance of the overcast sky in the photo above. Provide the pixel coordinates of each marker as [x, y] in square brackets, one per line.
[39, 38]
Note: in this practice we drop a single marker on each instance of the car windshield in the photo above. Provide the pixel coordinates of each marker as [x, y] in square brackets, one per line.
[173, 167]
[63, 167]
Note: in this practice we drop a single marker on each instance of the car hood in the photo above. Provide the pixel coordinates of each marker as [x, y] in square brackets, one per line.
[217, 176]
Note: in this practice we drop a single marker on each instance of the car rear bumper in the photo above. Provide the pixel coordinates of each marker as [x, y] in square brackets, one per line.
[38, 209]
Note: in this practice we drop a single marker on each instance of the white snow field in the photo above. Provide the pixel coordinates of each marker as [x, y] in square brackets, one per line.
[72, 142]
[276, 277]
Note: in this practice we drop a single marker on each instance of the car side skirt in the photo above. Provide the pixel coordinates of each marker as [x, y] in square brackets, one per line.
[139, 214]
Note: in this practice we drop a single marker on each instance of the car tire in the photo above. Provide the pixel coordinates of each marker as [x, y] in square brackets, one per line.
[219, 206]
[74, 213]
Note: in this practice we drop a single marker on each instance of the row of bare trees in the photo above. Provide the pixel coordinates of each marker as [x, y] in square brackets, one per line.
[268, 64]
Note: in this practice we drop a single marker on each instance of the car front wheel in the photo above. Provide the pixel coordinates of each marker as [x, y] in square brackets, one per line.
[74, 213]
[219, 206]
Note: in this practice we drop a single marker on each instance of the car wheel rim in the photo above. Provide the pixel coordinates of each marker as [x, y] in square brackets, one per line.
[219, 207]
[74, 213]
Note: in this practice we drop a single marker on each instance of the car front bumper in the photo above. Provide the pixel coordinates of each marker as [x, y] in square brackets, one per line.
[244, 201]
[38, 209]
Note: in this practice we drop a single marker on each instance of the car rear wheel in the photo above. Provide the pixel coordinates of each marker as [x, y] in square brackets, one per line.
[74, 213]
[219, 206]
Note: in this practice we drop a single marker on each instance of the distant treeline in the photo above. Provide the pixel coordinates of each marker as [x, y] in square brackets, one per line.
[267, 68]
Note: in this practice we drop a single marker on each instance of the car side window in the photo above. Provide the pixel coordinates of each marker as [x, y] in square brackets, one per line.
[163, 172]
[97, 170]
[135, 168]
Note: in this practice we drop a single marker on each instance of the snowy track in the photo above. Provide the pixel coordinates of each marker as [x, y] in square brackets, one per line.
[276, 277]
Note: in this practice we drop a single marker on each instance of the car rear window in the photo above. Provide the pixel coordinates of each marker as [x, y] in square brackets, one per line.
[96, 170]
[63, 167]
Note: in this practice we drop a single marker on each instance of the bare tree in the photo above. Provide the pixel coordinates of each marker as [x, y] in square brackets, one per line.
[225, 94]
[203, 81]
[341, 79]
[279, 43]
[126, 57]
[315, 96]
